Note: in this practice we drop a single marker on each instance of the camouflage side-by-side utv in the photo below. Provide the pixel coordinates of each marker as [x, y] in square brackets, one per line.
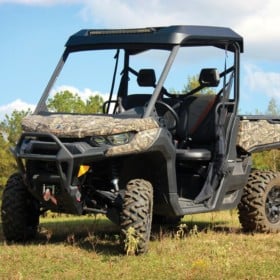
[160, 149]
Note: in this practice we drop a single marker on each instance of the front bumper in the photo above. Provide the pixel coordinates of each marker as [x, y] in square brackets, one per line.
[63, 159]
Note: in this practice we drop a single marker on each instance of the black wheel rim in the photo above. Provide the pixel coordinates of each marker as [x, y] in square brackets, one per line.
[272, 205]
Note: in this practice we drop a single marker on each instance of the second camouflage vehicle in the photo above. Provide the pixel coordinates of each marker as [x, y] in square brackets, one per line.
[159, 149]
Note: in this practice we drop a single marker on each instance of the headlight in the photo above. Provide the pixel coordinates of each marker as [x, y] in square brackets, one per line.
[114, 140]
[98, 140]
[119, 139]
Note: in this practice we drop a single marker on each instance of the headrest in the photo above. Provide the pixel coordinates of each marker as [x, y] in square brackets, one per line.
[146, 78]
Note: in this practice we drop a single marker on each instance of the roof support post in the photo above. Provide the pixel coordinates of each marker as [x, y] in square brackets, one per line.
[162, 78]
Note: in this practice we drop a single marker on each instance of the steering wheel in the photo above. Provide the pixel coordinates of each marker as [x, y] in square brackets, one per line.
[171, 123]
[165, 92]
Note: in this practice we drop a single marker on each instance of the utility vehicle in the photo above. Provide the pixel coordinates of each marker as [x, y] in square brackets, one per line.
[159, 149]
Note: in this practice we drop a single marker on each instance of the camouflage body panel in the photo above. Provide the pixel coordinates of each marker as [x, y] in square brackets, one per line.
[79, 126]
[253, 133]
[142, 141]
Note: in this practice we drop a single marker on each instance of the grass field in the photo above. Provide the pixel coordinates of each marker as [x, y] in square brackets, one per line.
[208, 246]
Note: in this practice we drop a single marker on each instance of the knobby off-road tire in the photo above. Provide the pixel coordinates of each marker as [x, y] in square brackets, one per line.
[137, 214]
[259, 208]
[19, 211]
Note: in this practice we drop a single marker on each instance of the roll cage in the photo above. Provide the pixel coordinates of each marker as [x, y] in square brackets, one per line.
[135, 41]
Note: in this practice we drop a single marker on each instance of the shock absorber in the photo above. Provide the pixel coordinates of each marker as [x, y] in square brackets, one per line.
[115, 176]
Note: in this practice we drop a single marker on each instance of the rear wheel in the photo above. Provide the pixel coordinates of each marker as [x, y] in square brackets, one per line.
[136, 216]
[259, 209]
[19, 211]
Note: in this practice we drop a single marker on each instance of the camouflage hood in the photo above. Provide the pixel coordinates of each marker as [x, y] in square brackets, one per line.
[79, 126]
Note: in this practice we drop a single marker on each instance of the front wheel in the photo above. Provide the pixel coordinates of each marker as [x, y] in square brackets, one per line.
[259, 208]
[136, 216]
[19, 211]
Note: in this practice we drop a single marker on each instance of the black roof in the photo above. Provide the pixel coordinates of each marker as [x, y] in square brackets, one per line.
[155, 37]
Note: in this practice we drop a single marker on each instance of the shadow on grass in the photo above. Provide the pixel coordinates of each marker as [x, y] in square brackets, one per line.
[189, 228]
[90, 235]
[102, 237]
[203, 226]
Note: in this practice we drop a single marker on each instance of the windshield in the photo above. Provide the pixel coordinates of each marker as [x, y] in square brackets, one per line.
[117, 80]
[99, 75]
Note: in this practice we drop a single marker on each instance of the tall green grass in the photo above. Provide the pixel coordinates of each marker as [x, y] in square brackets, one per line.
[208, 246]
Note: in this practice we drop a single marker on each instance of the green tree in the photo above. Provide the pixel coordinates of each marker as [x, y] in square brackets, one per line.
[272, 108]
[10, 127]
[68, 102]
[7, 164]
[268, 160]
[94, 104]
[194, 83]
[10, 130]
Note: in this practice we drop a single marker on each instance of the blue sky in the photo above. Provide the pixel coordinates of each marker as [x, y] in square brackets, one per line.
[33, 33]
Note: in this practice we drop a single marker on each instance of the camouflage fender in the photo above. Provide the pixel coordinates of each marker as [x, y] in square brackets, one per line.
[253, 133]
[79, 126]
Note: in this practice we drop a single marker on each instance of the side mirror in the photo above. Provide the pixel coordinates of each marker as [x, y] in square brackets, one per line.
[209, 77]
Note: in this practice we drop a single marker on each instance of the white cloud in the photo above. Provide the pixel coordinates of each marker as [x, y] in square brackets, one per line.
[256, 20]
[15, 105]
[258, 80]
